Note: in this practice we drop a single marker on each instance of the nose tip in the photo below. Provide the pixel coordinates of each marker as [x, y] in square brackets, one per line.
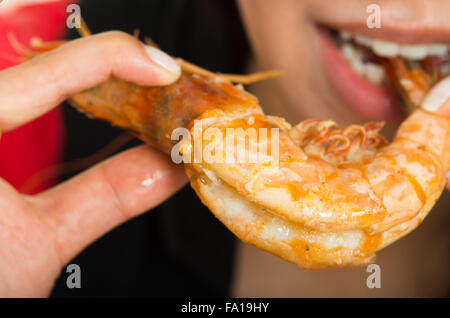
[438, 99]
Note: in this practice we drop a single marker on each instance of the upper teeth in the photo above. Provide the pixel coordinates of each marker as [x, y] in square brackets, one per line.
[372, 72]
[391, 49]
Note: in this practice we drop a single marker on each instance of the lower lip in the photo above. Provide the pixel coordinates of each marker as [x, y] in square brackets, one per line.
[364, 98]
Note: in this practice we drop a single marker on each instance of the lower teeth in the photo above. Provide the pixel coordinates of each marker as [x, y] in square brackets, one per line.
[374, 73]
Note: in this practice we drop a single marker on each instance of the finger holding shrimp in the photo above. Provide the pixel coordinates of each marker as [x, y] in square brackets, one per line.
[40, 234]
[33, 88]
[438, 101]
[86, 207]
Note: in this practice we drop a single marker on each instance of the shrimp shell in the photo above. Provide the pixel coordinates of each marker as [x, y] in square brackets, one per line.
[334, 197]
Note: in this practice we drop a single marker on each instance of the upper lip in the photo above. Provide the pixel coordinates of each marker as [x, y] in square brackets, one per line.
[415, 23]
[400, 33]
[405, 22]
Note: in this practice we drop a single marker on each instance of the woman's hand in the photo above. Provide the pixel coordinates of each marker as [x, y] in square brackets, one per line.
[40, 234]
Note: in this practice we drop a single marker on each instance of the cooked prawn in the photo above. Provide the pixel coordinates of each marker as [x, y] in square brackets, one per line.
[331, 198]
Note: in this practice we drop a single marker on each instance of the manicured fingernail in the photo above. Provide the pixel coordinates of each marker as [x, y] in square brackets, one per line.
[164, 60]
[438, 96]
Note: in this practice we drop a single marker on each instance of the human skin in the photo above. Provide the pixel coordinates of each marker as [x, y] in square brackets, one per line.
[40, 234]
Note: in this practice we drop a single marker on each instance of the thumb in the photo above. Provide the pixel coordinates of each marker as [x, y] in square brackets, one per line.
[31, 89]
[88, 206]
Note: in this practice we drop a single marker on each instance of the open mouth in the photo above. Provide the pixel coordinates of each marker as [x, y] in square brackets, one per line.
[374, 76]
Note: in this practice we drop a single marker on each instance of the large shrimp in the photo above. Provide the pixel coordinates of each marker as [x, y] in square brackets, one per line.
[328, 197]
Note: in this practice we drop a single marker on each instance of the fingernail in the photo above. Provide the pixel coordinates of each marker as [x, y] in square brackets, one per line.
[438, 96]
[164, 60]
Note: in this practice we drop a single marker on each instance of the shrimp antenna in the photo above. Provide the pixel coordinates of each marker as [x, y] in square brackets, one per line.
[234, 78]
[83, 30]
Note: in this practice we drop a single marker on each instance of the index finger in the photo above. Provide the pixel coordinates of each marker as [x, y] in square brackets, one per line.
[33, 88]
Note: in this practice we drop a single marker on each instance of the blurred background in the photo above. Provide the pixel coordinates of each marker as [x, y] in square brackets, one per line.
[179, 248]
